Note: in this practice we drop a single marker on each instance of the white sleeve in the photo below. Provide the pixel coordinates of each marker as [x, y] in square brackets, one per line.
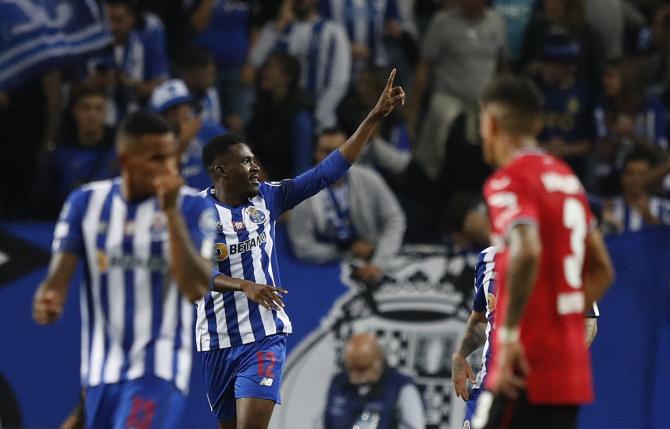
[264, 45]
[389, 157]
[330, 96]
[410, 408]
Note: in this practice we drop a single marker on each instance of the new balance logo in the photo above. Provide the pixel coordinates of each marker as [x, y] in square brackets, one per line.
[266, 382]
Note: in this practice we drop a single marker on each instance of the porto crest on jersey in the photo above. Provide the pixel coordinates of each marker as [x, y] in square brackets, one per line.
[255, 215]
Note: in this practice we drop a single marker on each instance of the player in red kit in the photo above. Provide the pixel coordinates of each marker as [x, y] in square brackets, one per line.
[552, 264]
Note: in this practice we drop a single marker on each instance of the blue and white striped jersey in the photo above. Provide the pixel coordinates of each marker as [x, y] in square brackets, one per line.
[134, 321]
[322, 48]
[246, 249]
[631, 220]
[485, 301]
[365, 22]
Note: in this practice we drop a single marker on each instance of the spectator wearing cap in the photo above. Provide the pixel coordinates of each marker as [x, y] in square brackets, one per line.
[138, 59]
[196, 67]
[84, 152]
[563, 18]
[173, 101]
[461, 52]
[568, 111]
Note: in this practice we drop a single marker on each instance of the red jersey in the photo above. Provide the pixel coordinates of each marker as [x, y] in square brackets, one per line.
[536, 188]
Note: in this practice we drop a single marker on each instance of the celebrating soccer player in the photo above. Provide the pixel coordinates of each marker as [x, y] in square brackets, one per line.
[551, 263]
[136, 318]
[242, 334]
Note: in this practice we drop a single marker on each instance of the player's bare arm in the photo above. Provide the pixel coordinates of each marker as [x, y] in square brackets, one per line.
[591, 329]
[268, 296]
[50, 295]
[192, 272]
[524, 259]
[473, 338]
[389, 99]
[598, 272]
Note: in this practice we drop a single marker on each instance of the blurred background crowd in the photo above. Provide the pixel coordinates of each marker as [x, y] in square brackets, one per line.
[295, 78]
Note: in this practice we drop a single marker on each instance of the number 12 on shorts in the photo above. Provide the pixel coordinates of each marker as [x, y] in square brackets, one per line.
[263, 369]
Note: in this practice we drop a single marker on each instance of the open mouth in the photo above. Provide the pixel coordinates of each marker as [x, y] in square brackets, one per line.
[255, 179]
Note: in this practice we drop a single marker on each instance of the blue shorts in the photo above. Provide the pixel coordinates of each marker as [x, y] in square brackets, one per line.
[147, 402]
[248, 371]
[471, 406]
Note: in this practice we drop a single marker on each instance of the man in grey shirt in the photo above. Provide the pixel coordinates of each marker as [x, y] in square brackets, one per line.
[358, 217]
[461, 52]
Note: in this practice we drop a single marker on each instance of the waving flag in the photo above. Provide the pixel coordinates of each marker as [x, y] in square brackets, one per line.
[38, 35]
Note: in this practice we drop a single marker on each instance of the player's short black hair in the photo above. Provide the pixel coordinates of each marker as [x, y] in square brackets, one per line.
[191, 58]
[520, 98]
[640, 154]
[142, 123]
[218, 146]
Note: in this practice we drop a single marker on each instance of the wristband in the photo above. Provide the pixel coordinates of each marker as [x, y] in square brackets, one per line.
[508, 335]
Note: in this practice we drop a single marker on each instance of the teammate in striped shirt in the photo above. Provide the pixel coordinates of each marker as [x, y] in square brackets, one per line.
[480, 331]
[136, 318]
[242, 335]
[367, 23]
[322, 48]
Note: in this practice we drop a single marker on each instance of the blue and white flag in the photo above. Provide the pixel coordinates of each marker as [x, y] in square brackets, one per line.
[38, 35]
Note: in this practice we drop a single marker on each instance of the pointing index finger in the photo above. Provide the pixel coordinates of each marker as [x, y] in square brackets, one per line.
[389, 82]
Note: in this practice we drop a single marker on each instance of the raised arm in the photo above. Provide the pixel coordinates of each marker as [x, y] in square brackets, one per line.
[51, 293]
[390, 97]
[289, 193]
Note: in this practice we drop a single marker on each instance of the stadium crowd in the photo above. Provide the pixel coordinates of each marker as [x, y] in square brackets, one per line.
[294, 78]
[282, 73]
